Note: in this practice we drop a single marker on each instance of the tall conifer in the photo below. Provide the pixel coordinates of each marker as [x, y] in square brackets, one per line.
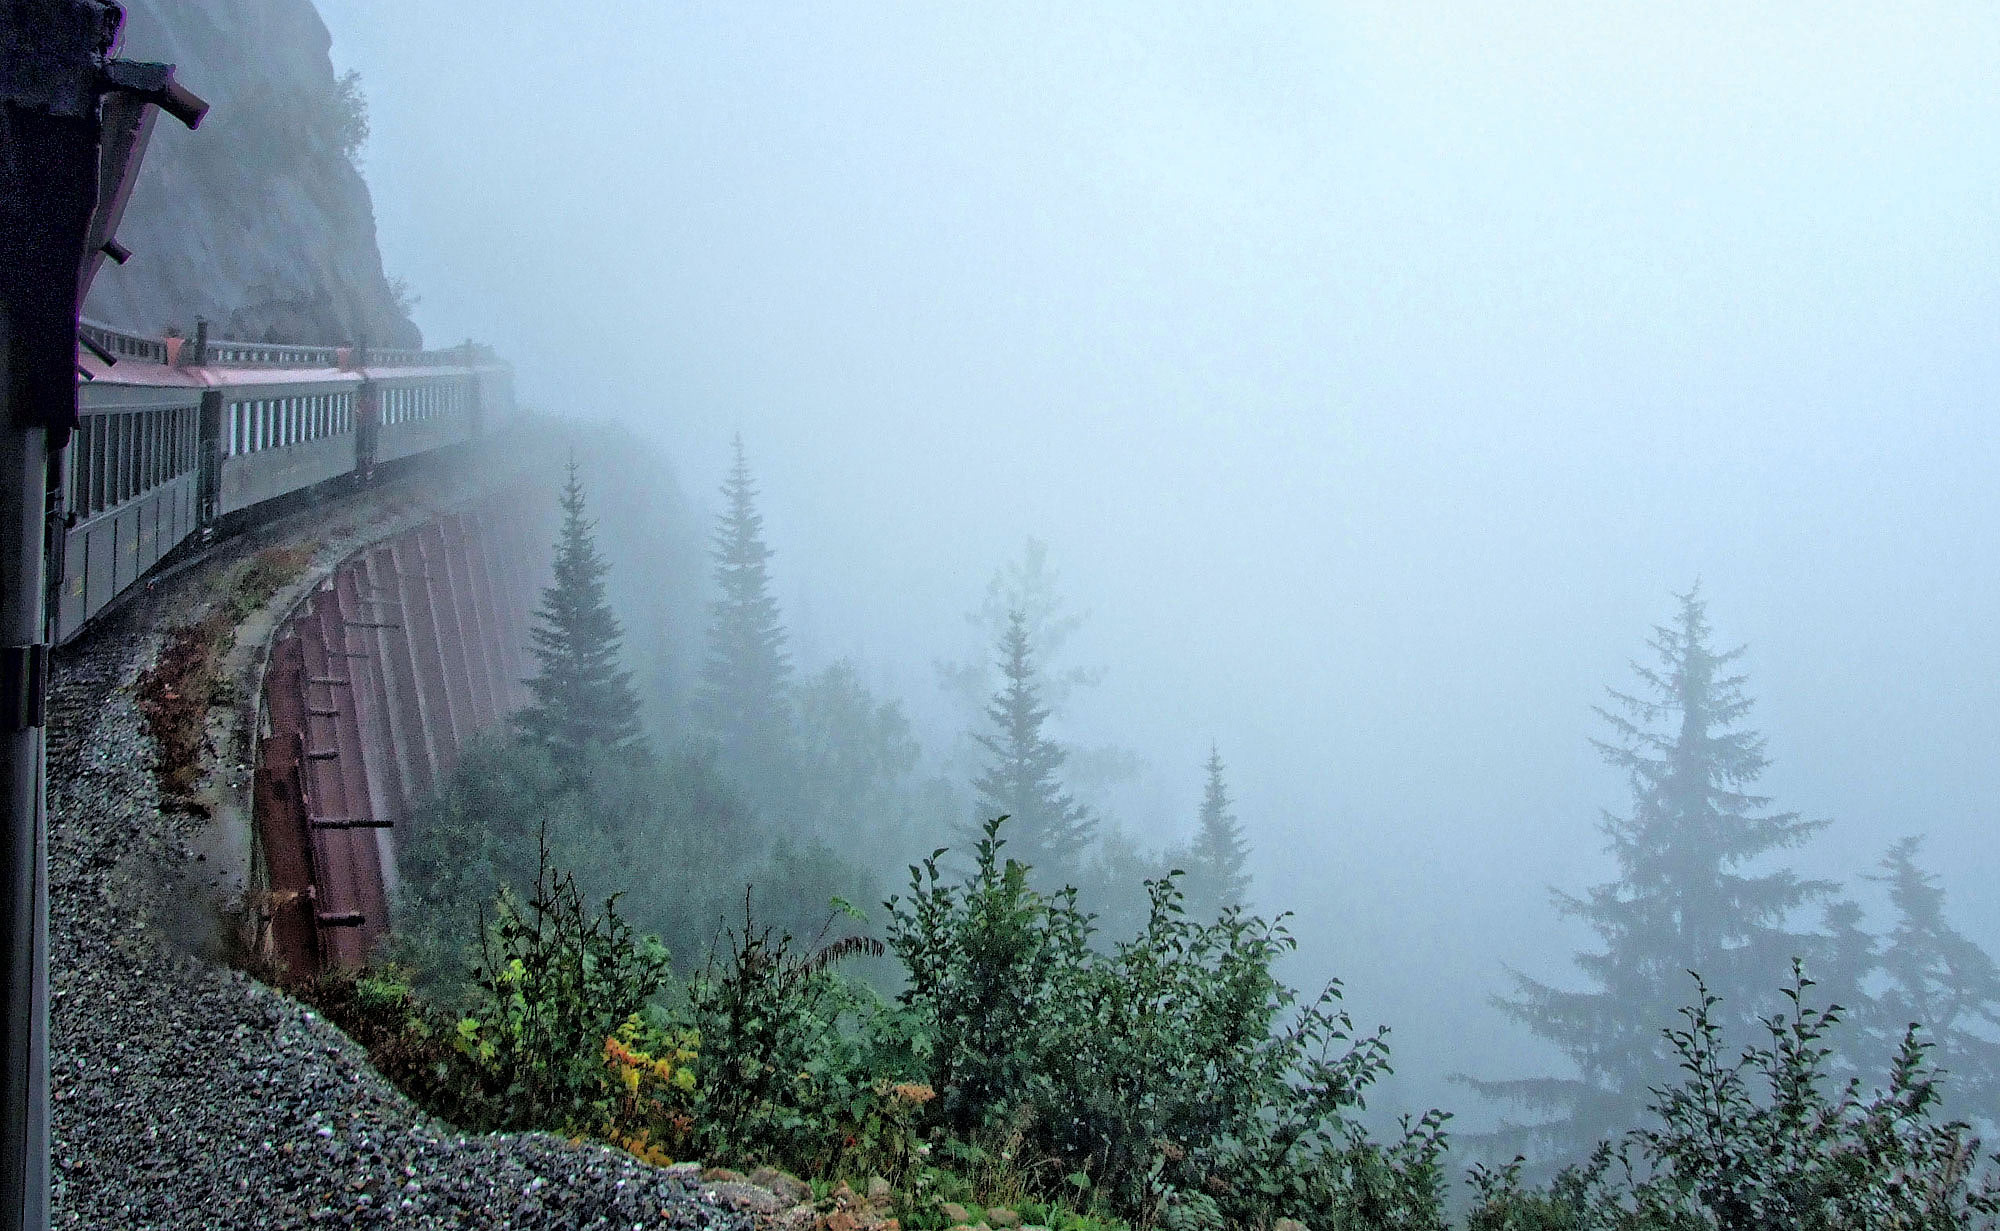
[746, 679]
[1937, 977]
[582, 696]
[1048, 829]
[1688, 895]
[1216, 876]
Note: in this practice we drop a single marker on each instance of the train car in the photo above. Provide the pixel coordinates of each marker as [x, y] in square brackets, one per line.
[178, 434]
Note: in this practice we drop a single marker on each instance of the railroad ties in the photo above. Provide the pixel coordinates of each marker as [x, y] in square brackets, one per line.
[410, 648]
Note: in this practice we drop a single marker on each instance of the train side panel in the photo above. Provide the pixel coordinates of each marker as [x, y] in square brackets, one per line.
[275, 440]
[419, 415]
[129, 487]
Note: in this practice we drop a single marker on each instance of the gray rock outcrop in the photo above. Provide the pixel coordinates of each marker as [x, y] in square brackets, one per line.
[259, 221]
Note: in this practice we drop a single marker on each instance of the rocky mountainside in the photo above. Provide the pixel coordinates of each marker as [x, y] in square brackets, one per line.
[259, 221]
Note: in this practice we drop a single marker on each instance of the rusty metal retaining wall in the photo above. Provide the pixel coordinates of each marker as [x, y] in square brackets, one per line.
[375, 681]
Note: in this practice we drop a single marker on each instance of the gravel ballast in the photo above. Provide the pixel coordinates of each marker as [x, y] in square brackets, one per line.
[187, 1094]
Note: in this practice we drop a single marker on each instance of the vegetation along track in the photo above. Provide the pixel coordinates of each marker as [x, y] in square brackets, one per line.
[184, 1092]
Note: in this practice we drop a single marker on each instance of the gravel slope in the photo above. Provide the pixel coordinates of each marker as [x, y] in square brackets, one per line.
[186, 1094]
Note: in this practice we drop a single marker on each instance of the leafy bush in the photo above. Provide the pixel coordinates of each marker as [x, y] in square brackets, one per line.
[555, 981]
[1801, 1153]
[1176, 1076]
[672, 816]
[787, 1071]
[652, 1081]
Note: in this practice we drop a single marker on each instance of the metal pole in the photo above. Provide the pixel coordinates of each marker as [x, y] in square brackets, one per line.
[63, 186]
[24, 1133]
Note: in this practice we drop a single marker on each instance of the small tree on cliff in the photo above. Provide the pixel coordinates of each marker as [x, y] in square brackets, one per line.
[1216, 879]
[583, 698]
[746, 681]
[1938, 977]
[1049, 829]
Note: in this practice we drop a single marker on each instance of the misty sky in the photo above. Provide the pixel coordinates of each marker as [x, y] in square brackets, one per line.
[1376, 374]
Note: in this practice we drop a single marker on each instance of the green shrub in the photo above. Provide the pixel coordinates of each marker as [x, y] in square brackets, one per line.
[787, 1072]
[1766, 1139]
[1175, 1078]
[554, 981]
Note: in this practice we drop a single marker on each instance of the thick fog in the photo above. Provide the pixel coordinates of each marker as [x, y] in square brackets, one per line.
[1375, 374]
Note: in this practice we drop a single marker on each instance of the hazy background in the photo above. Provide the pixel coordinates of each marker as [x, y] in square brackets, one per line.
[1375, 374]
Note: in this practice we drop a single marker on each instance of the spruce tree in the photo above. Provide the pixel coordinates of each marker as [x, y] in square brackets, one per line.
[1691, 894]
[746, 680]
[1047, 828]
[1216, 879]
[583, 698]
[1936, 977]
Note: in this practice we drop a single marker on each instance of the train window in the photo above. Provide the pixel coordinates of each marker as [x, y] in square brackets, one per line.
[114, 457]
[93, 496]
[101, 499]
[79, 469]
[235, 429]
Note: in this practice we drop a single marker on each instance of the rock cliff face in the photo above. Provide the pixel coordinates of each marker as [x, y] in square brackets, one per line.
[259, 220]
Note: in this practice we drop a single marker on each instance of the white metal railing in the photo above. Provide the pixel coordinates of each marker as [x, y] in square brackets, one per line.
[122, 344]
[269, 355]
[226, 353]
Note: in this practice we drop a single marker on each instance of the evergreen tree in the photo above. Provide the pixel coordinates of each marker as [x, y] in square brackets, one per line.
[856, 755]
[1688, 896]
[746, 680]
[1048, 829]
[1940, 979]
[583, 698]
[1216, 879]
